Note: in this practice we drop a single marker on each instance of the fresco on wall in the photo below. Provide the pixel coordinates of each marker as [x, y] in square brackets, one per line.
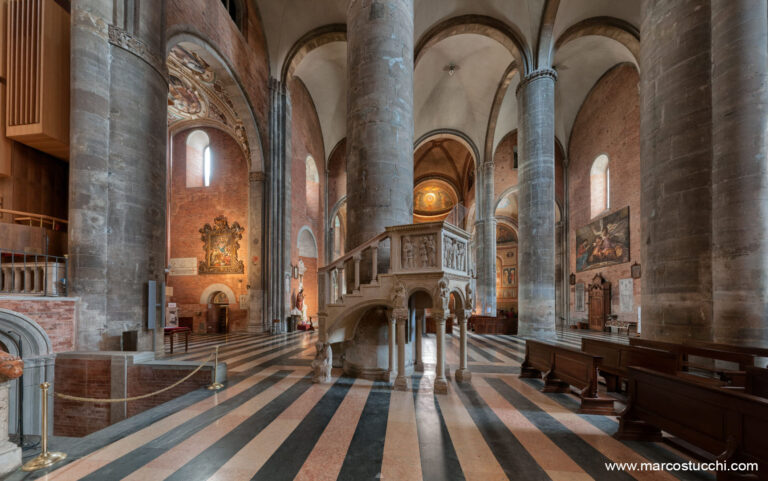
[603, 242]
[433, 197]
[220, 244]
[509, 276]
[504, 235]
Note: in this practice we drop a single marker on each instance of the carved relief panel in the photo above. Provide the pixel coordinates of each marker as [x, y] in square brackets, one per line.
[418, 251]
[455, 254]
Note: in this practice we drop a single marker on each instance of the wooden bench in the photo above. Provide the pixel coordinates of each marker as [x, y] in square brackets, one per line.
[171, 331]
[757, 381]
[492, 325]
[727, 376]
[617, 357]
[749, 350]
[728, 424]
[562, 367]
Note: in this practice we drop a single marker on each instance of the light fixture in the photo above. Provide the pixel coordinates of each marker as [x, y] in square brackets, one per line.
[451, 68]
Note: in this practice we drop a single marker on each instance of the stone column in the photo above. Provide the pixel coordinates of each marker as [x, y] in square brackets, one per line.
[676, 166]
[486, 236]
[441, 383]
[278, 212]
[401, 382]
[379, 118]
[356, 258]
[419, 362]
[257, 319]
[536, 222]
[117, 191]
[463, 374]
[739, 172]
[390, 375]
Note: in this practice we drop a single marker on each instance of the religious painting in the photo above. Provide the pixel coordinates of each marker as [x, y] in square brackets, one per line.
[220, 244]
[509, 277]
[193, 62]
[504, 235]
[603, 242]
[433, 197]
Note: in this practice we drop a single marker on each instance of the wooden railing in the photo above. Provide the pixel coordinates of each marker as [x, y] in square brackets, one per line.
[32, 220]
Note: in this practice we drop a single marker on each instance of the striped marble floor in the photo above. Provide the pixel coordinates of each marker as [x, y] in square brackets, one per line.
[271, 422]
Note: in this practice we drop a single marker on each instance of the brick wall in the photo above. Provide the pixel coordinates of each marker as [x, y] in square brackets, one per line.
[89, 377]
[608, 123]
[191, 208]
[306, 203]
[57, 316]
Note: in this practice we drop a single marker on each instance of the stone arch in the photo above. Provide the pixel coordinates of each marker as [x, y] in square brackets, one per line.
[493, 28]
[306, 242]
[510, 190]
[335, 32]
[209, 291]
[609, 27]
[452, 134]
[242, 102]
[498, 99]
[18, 330]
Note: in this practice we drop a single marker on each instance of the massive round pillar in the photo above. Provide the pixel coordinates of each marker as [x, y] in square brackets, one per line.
[536, 221]
[379, 118]
[676, 167]
[486, 241]
[117, 170]
[739, 173]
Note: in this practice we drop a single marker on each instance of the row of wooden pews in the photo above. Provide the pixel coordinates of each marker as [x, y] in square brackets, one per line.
[679, 388]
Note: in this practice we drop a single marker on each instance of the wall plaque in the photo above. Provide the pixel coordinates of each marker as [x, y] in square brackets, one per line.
[626, 295]
[183, 266]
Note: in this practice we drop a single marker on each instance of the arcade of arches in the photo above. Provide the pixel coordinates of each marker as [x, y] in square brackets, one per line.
[427, 239]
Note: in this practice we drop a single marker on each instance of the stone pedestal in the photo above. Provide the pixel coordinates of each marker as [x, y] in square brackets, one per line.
[10, 454]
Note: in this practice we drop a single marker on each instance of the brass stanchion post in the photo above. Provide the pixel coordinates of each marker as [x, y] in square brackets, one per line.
[45, 458]
[215, 385]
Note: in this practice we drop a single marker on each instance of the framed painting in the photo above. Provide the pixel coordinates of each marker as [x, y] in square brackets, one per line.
[603, 242]
[220, 244]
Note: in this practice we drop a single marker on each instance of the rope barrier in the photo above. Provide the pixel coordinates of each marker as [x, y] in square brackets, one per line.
[135, 398]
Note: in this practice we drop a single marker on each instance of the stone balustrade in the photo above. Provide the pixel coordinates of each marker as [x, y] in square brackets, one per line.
[36, 278]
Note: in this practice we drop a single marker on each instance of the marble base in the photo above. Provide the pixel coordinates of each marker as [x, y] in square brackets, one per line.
[401, 383]
[463, 375]
[418, 367]
[10, 458]
[441, 386]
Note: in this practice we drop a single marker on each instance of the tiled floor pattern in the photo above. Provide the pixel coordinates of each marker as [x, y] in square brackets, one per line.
[271, 422]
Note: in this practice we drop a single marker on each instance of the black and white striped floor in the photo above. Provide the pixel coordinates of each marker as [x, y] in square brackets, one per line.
[271, 422]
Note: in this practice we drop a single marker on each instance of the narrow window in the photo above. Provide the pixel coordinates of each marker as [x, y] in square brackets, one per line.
[207, 166]
[599, 186]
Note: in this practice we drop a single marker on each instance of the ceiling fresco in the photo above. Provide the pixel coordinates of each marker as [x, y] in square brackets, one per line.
[194, 93]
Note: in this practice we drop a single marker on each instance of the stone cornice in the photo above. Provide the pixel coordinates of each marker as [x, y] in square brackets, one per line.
[120, 38]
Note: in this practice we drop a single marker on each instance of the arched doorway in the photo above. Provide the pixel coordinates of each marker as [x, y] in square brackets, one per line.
[218, 313]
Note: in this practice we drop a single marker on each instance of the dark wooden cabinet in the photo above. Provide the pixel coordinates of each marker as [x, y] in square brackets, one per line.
[599, 302]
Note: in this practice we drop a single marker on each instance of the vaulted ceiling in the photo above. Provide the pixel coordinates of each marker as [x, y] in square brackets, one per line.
[591, 36]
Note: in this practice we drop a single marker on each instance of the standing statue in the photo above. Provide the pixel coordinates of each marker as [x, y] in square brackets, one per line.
[469, 294]
[322, 364]
[407, 253]
[443, 294]
[461, 248]
[423, 253]
[431, 250]
[398, 294]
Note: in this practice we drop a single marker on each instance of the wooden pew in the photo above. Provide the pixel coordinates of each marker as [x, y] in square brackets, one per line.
[562, 367]
[757, 381]
[734, 378]
[750, 350]
[617, 357]
[728, 424]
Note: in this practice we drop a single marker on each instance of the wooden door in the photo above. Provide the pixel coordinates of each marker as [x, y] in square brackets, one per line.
[599, 302]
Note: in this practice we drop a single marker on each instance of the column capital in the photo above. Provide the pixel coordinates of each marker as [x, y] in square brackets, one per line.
[400, 314]
[357, 257]
[536, 75]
